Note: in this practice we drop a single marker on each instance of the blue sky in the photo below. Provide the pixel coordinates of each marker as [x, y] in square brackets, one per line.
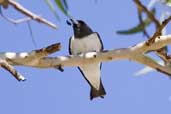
[48, 91]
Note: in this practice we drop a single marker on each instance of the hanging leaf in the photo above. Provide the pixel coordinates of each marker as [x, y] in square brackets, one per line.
[51, 6]
[139, 28]
[62, 5]
[147, 70]
[65, 4]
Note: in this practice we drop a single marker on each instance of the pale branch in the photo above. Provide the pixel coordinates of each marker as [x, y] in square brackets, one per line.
[4, 64]
[18, 21]
[39, 59]
[162, 53]
[43, 52]
[29, 59]
[8, 59]
[143, 59]
[28, 13]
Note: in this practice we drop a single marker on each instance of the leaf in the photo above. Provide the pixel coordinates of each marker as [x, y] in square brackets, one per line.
[51, 6]
[65, 4]
[62, 5]
[139, 28]
[167, 2]
[147, 69]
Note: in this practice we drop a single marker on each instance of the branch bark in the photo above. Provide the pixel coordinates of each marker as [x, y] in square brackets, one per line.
[137, 53]
[4, 64]
[29, 59]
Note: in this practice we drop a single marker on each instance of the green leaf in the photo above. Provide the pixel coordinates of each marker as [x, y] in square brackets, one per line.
[62, 4]
[139, 28]
[167, 2]
[51, 6]
[65, 4]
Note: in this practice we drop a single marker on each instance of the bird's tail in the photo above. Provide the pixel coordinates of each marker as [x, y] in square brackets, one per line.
[97, 93]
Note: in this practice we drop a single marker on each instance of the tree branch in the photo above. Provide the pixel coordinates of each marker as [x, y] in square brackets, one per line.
[39, 59]
[26, 12]
[28, 59]
[4, 64]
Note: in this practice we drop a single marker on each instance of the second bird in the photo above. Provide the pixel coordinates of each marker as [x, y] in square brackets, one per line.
[85, 40]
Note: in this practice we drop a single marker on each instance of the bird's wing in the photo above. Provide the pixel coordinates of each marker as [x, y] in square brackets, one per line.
[102, 47]
[69, 47]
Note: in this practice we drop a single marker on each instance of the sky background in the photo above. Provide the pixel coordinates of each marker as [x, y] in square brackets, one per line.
[48, 91]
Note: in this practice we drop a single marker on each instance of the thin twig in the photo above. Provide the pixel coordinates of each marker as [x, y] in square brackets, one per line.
[159, 31]
[18, 21]
[31, 33]
[150, 14]
[141, 22]
[47, 50]
[4, 64]
[28, 13]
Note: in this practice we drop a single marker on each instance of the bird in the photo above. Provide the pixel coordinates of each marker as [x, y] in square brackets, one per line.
[85, 40]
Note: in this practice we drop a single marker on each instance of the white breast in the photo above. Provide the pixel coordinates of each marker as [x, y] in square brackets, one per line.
[90, 43]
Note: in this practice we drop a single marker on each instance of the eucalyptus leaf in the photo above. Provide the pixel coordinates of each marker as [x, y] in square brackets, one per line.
[62, 5]
[167, 2]
[65, 4]
[139, 28]
[51, 6]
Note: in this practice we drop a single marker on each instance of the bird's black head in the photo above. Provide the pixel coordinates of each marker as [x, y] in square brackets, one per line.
[81, 29]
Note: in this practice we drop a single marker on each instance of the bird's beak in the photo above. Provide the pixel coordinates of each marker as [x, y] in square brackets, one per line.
[73, 21]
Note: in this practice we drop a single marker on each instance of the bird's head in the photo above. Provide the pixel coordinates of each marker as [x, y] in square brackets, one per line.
[81, 29]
